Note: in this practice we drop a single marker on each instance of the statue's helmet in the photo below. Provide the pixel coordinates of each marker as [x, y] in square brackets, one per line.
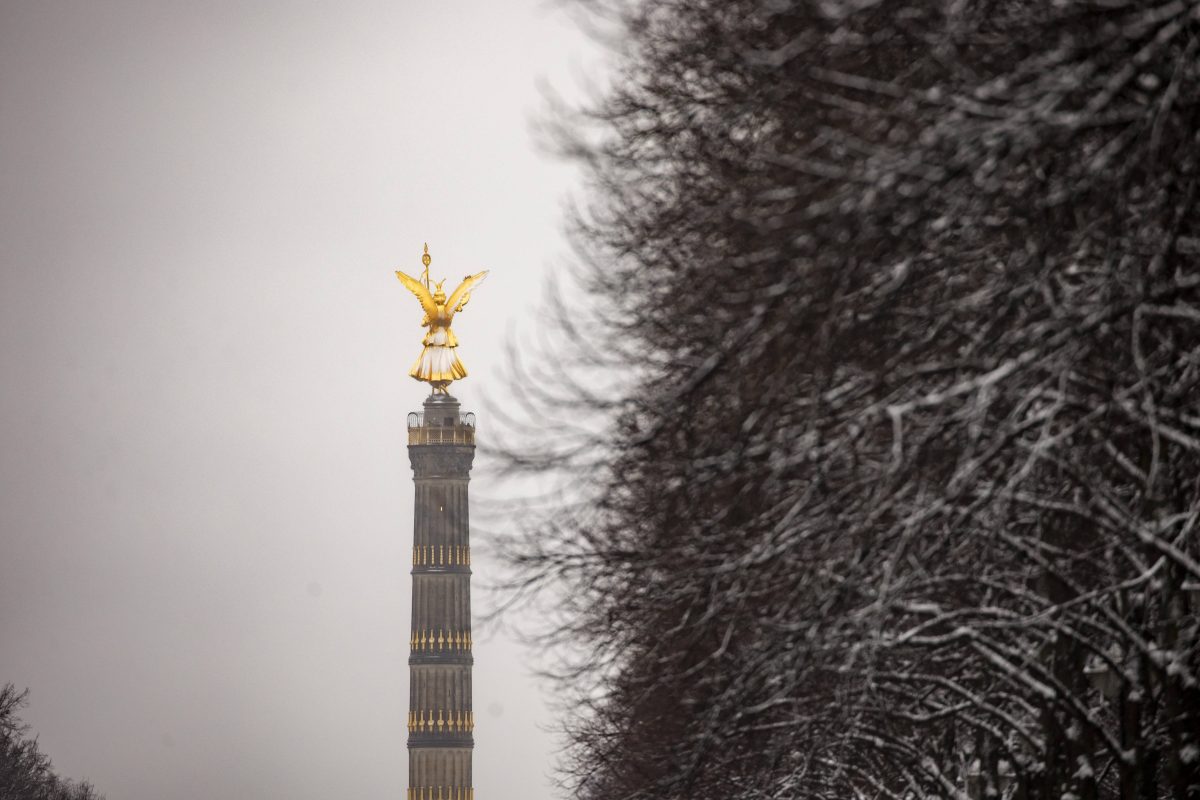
[439, 296]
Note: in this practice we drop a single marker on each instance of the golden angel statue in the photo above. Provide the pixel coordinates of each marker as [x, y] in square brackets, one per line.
[438, 363]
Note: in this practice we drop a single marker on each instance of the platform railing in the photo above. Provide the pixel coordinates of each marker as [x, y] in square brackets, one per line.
[461, 432]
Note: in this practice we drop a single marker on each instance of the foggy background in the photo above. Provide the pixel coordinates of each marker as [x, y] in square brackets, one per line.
[206, 503]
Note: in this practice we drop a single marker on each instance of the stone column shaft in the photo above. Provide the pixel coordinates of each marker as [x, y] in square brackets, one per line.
[441, 447]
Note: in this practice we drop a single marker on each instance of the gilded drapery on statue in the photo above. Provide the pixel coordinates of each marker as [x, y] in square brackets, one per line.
[438, 364]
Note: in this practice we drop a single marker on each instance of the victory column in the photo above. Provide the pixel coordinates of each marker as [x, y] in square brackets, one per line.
[441, 447]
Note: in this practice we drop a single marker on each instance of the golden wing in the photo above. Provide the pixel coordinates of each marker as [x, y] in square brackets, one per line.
[418, 288]
[463, 293]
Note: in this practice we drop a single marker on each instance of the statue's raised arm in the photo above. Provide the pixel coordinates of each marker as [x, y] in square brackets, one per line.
[438, 363]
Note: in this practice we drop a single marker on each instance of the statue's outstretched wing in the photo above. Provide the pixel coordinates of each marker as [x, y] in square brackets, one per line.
[418, 288]
[463, 293]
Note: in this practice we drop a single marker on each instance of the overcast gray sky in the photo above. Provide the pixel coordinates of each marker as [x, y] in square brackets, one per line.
[206, 503]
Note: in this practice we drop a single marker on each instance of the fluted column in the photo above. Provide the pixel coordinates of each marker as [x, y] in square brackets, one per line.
[441, 448]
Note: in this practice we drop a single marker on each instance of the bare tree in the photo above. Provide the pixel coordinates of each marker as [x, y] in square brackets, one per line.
[897, 491]
[25, 772]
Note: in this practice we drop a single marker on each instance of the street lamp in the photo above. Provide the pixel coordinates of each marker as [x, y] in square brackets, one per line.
[1007, 776]
[1102, 677]
[1192, 590]
[975, 780]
